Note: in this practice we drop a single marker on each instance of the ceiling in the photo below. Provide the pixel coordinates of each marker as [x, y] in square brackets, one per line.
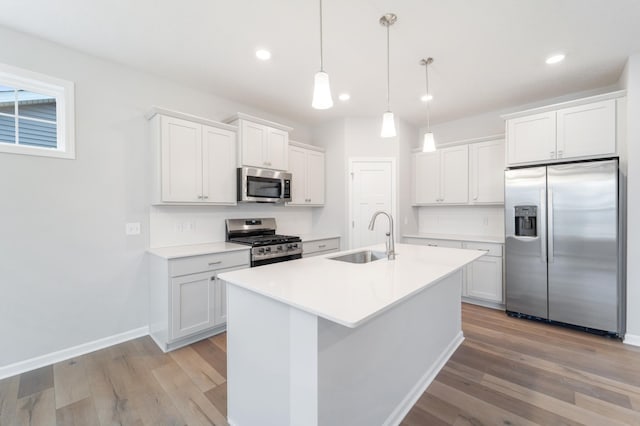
[489, 54]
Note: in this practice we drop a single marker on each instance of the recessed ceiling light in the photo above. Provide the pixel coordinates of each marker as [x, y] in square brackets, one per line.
[426, 98]
[344, 97]
[263, 54]
[554, 59]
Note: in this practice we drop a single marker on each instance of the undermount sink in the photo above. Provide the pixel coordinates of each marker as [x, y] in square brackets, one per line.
[364, 256]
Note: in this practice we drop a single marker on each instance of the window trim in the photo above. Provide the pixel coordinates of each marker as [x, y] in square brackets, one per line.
[63, 91]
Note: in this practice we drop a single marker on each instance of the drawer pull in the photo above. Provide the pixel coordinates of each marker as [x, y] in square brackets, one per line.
[485, 250]
[432, 245]
[322, 245]
[217, 262]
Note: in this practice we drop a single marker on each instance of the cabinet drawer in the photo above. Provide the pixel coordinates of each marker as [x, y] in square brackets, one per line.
[434, 243]
[310, 247]
[490, 248]
[208, 262]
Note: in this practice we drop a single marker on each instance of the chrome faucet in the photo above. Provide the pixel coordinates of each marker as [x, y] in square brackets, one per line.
[391, 247]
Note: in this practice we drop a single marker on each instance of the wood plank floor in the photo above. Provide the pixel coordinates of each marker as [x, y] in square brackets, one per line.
[507, 372]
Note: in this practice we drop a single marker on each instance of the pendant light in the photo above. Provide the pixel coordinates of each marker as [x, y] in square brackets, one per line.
[429, 143]
[388, 123]
[321, 90]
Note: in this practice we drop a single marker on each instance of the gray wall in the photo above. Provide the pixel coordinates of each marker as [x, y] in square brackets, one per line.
[68, 273]
[360, 138]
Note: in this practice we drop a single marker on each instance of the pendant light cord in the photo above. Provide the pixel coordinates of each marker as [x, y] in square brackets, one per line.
[426, 66]
[321, 57]
[388, 77]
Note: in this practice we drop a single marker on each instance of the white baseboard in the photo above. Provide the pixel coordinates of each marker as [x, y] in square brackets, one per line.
[631, 339]
[64, 354]
[416, 392]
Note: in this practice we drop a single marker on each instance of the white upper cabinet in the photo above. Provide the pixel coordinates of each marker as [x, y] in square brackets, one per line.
[426, 166]
[454, 170]
[193, 160]
[580, 129]
[306, 165]
[532, 138]
[276, 147]
[219, 158]
[181, 156]
[486, 172]
[252, 141]
[262, 144]
[587, 130]
[441, 177]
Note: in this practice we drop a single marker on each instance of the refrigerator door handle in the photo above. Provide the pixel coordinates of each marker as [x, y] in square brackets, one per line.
[542, 227]
[550, 225]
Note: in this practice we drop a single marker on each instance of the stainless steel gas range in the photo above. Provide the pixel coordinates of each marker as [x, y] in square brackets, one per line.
[266, 246]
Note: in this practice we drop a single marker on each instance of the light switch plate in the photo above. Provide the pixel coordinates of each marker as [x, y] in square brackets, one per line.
[132, 228]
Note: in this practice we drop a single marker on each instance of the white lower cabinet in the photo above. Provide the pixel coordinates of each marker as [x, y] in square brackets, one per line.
[187, 299]
[318, 247]
[198, 302]
[483, 277]
[483, 282]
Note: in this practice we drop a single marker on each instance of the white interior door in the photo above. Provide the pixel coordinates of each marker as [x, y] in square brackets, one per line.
[372, 189]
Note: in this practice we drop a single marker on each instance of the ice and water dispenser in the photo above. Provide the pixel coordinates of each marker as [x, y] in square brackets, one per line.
[526, 221]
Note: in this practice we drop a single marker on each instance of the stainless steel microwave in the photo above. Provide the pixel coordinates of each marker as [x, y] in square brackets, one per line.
[263, 186]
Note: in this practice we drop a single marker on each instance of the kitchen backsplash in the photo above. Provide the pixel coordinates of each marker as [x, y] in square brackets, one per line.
[462, 220]
[178, 225]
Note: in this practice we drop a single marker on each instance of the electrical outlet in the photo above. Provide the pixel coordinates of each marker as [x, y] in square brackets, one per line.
[132, 228]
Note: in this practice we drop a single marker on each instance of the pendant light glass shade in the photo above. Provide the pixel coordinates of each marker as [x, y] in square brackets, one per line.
[429, 143]
[321, 91]
[388, 126]
[388, 123]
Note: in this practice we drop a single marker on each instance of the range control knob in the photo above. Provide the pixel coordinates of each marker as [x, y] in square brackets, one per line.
[279, 248]
[268, 249]
[261, 250]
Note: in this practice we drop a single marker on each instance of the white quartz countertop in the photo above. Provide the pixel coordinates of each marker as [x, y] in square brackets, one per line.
[196, 249]
[350, 294]
[497, 239]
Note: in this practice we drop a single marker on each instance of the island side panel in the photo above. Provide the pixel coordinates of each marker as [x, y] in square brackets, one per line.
[373, 374]
[271, 361]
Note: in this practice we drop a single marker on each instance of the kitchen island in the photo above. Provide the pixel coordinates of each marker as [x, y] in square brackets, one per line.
[319, 341]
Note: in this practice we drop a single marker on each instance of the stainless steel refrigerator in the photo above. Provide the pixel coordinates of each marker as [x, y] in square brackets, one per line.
[562, 248]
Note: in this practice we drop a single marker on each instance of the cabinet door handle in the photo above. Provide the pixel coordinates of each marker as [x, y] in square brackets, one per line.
[206, 197]
[559, 153]
[199, 197]
[217, 262]
[552, 154]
